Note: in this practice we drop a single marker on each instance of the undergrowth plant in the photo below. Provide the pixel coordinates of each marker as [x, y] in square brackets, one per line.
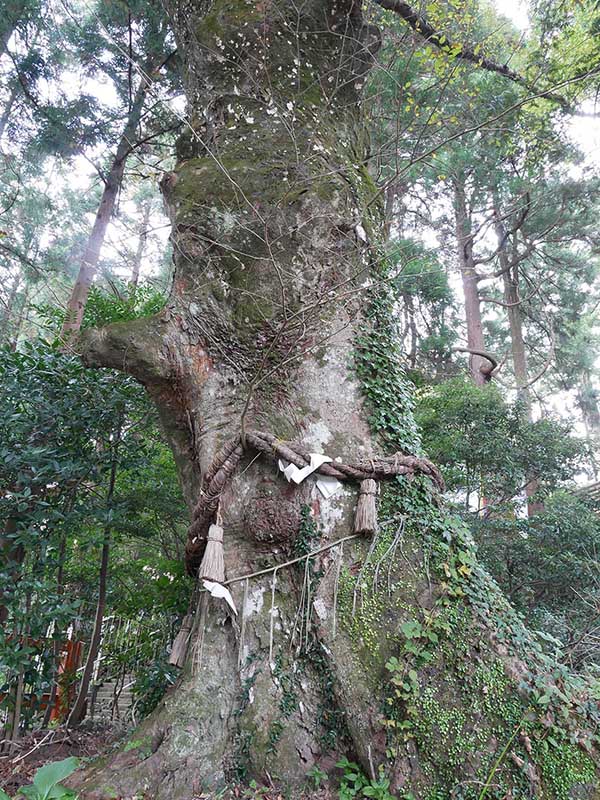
[46, 783]
[354, 783]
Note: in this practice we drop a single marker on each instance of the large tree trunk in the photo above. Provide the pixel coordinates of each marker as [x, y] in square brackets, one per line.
[269, 296]
[8, 310]
[141, 245]
[479, 366]
[8, 106]
[512, 301]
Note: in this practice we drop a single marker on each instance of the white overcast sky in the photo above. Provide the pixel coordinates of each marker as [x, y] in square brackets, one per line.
[515, 10]
[585, 130]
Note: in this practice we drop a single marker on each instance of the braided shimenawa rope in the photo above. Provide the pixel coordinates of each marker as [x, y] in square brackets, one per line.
[225, 463]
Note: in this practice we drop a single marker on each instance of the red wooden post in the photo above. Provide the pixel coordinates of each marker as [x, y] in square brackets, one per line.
[67, 670]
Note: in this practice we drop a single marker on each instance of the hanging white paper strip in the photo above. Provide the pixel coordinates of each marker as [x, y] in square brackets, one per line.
[220, 592]
[294, 473]
[328, 485]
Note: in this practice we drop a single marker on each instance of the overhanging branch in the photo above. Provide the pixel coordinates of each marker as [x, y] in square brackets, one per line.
[419, 23]
[482, 354]
[135, 347]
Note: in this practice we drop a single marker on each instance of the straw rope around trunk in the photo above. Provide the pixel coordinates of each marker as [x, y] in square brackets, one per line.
[227, 459]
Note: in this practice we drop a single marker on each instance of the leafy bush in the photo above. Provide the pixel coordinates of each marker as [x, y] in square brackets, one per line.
[103, 307]
[547, 564]
[62, 427]
[151, 682]
[486, 445]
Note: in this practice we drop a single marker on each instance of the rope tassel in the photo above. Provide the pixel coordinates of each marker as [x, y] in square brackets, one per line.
[365, 519]
[212, 567]
[225, 463]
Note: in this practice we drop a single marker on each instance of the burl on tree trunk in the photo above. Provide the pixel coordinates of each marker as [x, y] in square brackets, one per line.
[276, 322]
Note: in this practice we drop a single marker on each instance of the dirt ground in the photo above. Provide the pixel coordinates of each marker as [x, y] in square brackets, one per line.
[42, 747]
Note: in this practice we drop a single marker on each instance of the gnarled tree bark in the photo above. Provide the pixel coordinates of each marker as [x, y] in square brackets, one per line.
[268, 203]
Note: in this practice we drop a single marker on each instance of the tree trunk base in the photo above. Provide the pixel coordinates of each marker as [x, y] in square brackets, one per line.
[381, 666]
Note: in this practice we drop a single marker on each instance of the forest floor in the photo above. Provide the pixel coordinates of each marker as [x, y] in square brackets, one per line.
[44, 746]
[263, 793]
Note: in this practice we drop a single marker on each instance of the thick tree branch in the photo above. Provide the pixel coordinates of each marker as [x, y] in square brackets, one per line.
[502, 304]
[134, 347]
[418, 22]
[482, 354]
